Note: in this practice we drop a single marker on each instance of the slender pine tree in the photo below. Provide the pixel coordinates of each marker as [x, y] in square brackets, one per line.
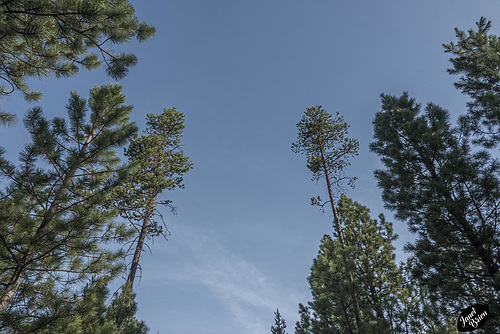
[158, 164]
[323, 138]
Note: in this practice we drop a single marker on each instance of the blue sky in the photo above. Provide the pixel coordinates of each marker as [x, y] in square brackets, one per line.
[243, 72]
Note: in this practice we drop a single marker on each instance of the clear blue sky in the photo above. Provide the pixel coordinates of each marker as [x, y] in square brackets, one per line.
[243, 72]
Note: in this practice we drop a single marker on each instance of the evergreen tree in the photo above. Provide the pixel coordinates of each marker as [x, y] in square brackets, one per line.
[122, 311]
[447, 194]
[159, 165]
[279, 324]
[41, 38]
[419, 309]
[476, 58]
[377, 279]
[322, 138]
[303, 326]
[53, 217]
[87, 312]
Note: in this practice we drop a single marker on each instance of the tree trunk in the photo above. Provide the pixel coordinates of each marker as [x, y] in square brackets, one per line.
[341, 237]
[135, 263]
[138, 250]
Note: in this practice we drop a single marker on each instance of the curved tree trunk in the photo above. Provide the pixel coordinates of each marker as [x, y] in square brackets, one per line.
[138, 251]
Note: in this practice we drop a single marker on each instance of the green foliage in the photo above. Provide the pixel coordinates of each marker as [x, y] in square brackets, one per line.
[41, 38]
[88, 314]
[279, 326]
[124, 308]
[159, 165]
[420, 310]
[377, 280]
[448, 194]
[53, 221]
[303, 326]
[322, 138]
[7, 118]
[476, 58]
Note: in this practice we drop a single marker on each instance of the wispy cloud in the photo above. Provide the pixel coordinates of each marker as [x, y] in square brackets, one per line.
[249, 295]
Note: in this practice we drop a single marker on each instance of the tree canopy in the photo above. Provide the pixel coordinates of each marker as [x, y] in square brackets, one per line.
[42, 38]
[444, 181]
[54, 221]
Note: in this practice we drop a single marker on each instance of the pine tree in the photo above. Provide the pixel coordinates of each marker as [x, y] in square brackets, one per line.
[159, 165]
[322, 138]
[122, 311]
[377, 279]
[53, 218]
[303, 326]
[279, 326]
[448, 194]
[476, 58]
[41, 38]
[419, 309]
[88, 313]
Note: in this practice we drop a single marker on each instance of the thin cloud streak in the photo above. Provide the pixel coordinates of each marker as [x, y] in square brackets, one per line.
[248, 294]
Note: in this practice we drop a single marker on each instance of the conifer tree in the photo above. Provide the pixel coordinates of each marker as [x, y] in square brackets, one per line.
[159, 164]
[419, 309]
[303, 326]
[88, 313]
[279, 326]
[448, 194]
[376, 278]
[322, 138]
[476, 56]
[53, 218]
[41, 38]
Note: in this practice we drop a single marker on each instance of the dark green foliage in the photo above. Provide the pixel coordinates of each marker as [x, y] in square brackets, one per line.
[279, 326]
[376, 285]
[124, 308]
[419, 309]
[447, 194]
[7, 118]
[53, 221]
[41, 38]
[87, 313]
[476, 59]
[303, 326]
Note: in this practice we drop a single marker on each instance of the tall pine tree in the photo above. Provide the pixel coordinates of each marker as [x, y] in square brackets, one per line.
[158, 165]
[448, 194]
[323, 138]
[53, 218]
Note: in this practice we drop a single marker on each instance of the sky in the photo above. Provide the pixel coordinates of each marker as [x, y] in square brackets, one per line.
[243, 72]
